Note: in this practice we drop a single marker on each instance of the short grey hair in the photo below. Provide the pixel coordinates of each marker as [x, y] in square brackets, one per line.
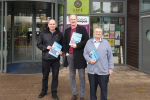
[98, 28]
[73, 14]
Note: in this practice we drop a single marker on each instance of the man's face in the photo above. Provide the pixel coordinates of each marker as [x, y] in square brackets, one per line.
[97, 33]
[52, 25]
[73, 20]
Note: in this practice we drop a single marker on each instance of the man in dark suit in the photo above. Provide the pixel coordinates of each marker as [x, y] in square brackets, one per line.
[74, 56]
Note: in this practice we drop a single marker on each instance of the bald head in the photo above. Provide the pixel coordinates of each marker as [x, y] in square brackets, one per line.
[52, 25]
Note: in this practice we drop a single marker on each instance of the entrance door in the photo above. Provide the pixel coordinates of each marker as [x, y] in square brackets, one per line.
[25, 21]
[146, 43]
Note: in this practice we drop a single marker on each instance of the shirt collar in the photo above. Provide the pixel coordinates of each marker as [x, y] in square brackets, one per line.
[74, 27]
[94, 40]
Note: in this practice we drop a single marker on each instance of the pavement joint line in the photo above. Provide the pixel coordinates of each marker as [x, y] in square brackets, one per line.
[141, 90]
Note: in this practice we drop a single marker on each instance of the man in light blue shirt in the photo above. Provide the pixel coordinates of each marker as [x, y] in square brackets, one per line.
[99, 70]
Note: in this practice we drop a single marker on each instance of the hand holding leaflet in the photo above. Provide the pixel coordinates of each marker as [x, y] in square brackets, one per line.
[93, 55]
[76, 38]
[56, 48]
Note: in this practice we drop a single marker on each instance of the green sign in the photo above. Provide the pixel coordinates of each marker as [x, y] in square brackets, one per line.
[60, 10]
[77, 6]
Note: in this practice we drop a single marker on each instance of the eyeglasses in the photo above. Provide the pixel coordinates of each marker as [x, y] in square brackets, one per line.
[98, 32]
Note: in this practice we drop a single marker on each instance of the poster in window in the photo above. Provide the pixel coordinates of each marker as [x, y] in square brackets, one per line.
[122, 28]
[111, 41]
[113, 49]
[112, 27]
[117, 42]
[117, 28]
[106, 35]
[117, 34]
[112, 34]
[116, 50]
[106, 27]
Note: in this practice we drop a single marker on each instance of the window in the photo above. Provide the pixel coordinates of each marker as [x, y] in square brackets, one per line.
[107, 7]
[145, 4]
[114, 32]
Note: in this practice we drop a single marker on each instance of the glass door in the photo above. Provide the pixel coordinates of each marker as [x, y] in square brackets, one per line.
[42, 18]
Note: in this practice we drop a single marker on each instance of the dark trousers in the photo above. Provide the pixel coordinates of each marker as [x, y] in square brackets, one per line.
[46, 64]
[102, 81]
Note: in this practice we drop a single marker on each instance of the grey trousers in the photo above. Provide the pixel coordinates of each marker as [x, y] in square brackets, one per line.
[72, 72]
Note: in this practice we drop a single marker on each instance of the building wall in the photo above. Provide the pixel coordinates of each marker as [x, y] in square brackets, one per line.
[133, 33]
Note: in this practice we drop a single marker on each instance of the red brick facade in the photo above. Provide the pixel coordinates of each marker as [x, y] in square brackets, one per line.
[133, 33]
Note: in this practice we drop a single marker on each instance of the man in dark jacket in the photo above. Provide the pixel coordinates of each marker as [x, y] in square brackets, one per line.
[44, 43]
[74, 56]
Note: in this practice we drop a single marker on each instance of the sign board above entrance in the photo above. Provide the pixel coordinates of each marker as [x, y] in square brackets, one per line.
[77, 6]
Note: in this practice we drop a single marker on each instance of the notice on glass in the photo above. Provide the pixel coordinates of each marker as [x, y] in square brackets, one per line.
[117, 34]
[117, 28]
[112, 27]
[106, 35]
[106, 27]
[117, 42]
[112, 34]
[113, 49]
[116, 50]
[122, 28]
[111, 41]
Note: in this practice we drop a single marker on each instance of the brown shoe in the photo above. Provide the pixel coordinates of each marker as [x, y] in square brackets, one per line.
[74, 97]
[81, 98]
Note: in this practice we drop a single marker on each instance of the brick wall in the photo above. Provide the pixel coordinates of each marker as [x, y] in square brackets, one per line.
[133, 33]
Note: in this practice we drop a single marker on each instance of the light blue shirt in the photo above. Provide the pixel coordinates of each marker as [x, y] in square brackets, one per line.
[96, 43]
[96, 46]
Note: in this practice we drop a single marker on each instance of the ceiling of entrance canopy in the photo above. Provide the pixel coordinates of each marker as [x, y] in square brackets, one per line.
[28, 6]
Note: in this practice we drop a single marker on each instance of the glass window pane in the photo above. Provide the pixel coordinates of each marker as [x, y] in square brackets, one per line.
[107, 7]
[22, 34]
[113, 31]
[42, 18]
[145, 4]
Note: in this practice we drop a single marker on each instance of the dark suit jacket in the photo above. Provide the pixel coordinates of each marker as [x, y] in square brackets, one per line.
[79, 60]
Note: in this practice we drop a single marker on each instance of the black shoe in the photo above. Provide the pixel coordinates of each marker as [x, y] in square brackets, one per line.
[42, 94]
[55, 97]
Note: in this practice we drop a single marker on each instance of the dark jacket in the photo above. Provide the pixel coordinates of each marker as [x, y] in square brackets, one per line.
[45, 39]
[79, 60]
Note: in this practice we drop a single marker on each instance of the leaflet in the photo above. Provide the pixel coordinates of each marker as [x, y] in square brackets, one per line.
[94, 55]
[76, 38]
[56, 48]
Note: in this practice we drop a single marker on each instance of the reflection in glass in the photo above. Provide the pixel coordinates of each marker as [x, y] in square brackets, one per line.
[148, 35]
[145, 4]
[22, 35]
[107, 7]
[113, 31]
[42, 18]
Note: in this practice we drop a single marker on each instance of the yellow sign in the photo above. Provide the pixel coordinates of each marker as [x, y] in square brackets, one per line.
[111, 41]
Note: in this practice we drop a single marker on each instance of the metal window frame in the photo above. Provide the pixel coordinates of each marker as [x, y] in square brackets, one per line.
[140, 7]
[107, 14]
[142, 14]
[2, 16]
